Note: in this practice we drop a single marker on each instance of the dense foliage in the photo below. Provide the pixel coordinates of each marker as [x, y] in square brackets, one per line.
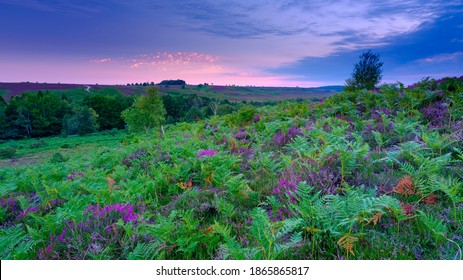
[42, 114]
[367, 72]
[56, 113]
[146, 112]
[172, 83]
[360, 175]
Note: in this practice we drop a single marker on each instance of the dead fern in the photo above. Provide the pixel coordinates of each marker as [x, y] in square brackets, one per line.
[186, 186]
[430, 199]
[346, 242]
[376, 218]
[408, 209]
[405, 186]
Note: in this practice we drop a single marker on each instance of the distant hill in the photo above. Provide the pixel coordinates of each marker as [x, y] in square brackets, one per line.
[232, 93]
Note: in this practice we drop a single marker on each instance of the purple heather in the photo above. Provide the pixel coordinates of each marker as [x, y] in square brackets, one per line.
[207, 153]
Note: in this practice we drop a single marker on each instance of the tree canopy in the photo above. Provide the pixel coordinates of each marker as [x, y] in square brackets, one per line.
[367, 72]
[147, 112]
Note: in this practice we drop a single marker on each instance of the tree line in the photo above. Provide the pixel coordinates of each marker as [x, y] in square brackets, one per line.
[44, 113]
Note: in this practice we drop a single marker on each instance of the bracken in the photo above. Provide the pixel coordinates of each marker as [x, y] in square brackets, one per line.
[405, 186]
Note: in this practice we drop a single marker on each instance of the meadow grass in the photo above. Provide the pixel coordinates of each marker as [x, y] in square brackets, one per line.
[360, 175]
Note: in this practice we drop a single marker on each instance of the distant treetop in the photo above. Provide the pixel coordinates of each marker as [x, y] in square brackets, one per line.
[367, 72]
[172, 83]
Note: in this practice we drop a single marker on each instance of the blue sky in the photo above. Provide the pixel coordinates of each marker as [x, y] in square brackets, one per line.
[253, 42]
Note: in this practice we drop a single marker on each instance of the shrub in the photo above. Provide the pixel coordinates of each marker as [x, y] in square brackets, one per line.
[39, 144]
[244, 116]
[7, 153]
[57, 158]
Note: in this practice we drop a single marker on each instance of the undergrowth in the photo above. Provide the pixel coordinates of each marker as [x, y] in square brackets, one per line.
[360, 175]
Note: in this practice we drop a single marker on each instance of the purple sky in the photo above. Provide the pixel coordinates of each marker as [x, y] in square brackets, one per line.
[272, 42]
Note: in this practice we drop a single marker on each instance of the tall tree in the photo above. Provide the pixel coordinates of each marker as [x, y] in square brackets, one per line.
[109, 109]
[147, 112]
[83, 121]
[367, 72]
[35, 115]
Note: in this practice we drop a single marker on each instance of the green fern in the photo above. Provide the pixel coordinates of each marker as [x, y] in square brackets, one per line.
[225, 208]
[147, 251]
[15, 243]
[436, 226]
[342, 213]
[269, 234]
[232, 249]
[436, 141]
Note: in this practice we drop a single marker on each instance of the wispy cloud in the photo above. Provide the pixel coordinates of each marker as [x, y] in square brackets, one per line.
[172, 58]
[258, 19]
[446, 57]
[101, 60]
[195, 67]
[80, 7]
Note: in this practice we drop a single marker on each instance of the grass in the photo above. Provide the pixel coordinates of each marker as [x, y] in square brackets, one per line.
[361, 175]
[231, 93]
[67, 145]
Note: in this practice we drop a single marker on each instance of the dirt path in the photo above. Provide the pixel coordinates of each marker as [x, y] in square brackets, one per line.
[23, 160]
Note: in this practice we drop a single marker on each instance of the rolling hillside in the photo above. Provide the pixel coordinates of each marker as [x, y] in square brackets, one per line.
[232, 93]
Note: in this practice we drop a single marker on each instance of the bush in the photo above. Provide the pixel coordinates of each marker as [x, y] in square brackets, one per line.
[7, 153]
[58, 158]
[84, 121]
[242, 117]
[113, 132]
[39, 144]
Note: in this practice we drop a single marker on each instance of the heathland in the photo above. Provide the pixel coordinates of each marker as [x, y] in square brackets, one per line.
[359, 175]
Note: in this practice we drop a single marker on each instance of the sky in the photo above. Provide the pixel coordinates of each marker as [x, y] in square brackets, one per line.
[235, 42]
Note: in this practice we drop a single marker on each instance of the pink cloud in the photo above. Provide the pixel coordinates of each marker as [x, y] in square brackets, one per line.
[101, 60]
[194, 68]
[175, 58]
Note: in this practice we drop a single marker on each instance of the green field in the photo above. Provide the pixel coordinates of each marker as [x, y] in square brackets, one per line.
[232, 93]
[361, 175]
[39, 150]
[259, 94]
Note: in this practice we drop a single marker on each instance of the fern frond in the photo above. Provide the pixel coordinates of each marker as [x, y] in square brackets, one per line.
[146, 251]
[15, 243]
[225, 208]
[436, 226]
[288, 225]
[405, 186]
[346, 242]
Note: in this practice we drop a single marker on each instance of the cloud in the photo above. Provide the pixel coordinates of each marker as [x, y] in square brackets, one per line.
[172, 58]
[79, 7]
[258, 19]
[101, 60]
[196, 68]
[442, 58]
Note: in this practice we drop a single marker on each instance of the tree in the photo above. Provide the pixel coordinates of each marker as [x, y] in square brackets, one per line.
[83, 121]
[2, 117]
[367, 72]
[172, 83]
[214, 105]
[146, 112]
[35, 115]
[109, 109]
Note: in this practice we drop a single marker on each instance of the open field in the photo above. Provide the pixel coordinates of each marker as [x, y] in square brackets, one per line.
[36, 151]
[360, 175]
[232, 93]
